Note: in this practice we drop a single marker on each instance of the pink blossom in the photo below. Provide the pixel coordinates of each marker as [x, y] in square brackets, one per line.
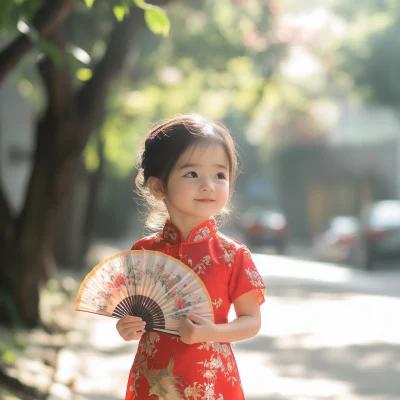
[180, 303]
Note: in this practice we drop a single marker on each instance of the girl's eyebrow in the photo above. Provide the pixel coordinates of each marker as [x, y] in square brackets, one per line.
[191, 165]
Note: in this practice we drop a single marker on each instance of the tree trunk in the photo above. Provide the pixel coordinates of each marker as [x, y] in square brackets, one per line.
[95, 180]
[61, 137]
[79, 221]
[68, 241]
[52, 179]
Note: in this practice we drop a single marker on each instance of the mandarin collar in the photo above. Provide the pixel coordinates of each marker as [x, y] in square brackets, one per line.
[173, 235]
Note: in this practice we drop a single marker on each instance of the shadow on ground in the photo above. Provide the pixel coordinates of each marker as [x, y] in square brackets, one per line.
[370, 369]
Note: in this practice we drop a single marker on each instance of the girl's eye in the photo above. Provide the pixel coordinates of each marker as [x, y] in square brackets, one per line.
[221, 175]
[191, 174]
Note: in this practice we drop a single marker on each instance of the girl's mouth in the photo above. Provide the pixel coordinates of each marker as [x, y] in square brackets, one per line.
[205, 200]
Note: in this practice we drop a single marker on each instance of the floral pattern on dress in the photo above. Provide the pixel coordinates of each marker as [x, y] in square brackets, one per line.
[217, 303]
[162, 382]
[221, 359]
[170, 234]
[255, 278]
[158, 237]
[228, 249]
[166, 386]
[201, 267]
[202, 234]
[164, 364]
[206, 230]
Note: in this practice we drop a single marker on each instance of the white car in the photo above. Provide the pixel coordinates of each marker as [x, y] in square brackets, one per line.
[336, 242]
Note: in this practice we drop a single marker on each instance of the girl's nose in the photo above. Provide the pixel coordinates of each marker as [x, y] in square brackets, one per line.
[207, 186]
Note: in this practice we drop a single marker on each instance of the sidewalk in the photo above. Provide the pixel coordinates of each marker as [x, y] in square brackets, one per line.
[96, 362]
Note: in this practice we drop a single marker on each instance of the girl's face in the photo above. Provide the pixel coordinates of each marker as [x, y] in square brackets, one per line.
[198, 186]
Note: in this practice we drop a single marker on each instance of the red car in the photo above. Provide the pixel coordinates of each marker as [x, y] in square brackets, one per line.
[265, 228]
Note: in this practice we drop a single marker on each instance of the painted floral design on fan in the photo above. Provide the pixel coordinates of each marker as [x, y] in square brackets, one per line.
[156, 287]
[117, 282]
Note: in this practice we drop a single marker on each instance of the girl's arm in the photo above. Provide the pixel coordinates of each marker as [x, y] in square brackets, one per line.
[247, 324]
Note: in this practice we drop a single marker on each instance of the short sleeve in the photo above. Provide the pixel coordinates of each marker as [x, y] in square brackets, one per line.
[136, 246]
[245, 277]
[151, 242]
[143, 244]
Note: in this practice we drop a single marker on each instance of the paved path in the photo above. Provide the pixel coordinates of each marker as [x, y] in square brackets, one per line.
[328, 333]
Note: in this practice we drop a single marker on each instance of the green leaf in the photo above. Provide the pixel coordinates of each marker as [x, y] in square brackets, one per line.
[119, 12]
[9, 357]
[6, 14]
[84, 74]
[89, 3]
[157, 20]
[139, 3]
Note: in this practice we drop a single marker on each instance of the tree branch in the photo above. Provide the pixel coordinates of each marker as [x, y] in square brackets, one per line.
[56, 78]
[47, 19]
[91, 98]
[125, 37]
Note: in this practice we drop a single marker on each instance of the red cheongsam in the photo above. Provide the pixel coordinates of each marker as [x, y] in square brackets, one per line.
[165, 368]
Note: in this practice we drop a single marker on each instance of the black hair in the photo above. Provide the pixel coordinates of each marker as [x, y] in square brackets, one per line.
[163, 147]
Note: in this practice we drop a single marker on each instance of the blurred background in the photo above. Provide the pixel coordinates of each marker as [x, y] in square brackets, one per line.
[310, 91]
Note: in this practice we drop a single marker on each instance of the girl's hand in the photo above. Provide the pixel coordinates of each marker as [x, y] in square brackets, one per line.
[130, 328]
[195, 329]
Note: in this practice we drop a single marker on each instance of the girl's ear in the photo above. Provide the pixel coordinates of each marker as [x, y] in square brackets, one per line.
[156, 187]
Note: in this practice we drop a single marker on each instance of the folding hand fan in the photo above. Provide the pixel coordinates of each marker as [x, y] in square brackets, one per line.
[147, 284]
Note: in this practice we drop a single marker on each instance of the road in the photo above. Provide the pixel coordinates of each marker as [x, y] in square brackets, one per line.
[328, 333]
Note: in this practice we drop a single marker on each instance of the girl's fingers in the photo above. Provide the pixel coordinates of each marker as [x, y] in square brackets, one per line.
[129, 324]
[134, 335]
[133, 323]
[131, 335]
[131, 328]
[127, 330]
[130, 318]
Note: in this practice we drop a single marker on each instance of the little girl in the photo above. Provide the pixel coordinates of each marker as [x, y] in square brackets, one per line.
[187, 171]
